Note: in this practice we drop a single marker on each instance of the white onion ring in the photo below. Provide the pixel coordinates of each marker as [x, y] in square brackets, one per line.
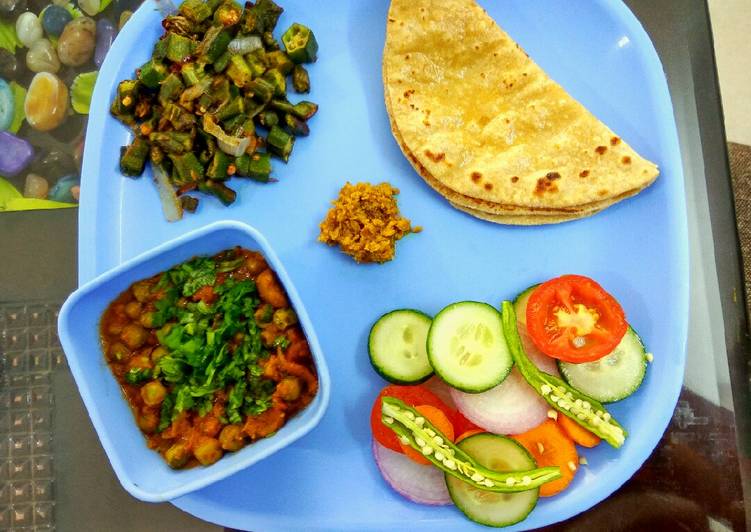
[423, 484]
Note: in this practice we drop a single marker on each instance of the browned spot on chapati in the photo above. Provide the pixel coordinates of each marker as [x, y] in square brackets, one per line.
[514, 179]
[408, 93]
[488, 186]
[601, 149]
[615, 141]
[476, 176]
[553, 176]
[584, 173]
[602, 192]
[626, 159]
[435, 157]
[545, 184]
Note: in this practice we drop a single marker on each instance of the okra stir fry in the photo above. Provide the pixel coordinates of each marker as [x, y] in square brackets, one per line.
[209, 355]
[212, 102]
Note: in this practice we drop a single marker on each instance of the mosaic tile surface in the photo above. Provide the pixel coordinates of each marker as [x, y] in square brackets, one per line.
[29, 353]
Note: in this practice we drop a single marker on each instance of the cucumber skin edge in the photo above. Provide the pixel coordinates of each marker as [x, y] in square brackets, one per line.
[464, 388]
[522, 518]
[377, 369]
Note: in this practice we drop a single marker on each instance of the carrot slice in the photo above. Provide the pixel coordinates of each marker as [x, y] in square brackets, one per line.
[440, 421]
[551, 446]
[468, 433]
[411, 395]
[576, 432]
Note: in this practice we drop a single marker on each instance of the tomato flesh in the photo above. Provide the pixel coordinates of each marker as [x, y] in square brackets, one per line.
[572, 318]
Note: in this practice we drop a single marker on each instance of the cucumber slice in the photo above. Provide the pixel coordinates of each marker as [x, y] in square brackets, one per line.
[494, 509]
[466, 347]
[396, 346]
[614, 376]
[520, 305]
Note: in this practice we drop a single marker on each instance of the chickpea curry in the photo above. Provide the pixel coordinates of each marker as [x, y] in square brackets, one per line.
[209, 355]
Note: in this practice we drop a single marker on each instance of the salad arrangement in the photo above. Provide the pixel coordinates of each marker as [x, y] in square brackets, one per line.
[486, 407]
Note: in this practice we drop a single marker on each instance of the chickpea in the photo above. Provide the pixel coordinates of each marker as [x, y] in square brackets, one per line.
[133, 335]
[270, 290]
[114, 327]
[133, 310]
[209, 425]
[153, 393]
[141, 291]
[118, 351]
[284, 317]
[148, 422]
[232, 438]
[255, 263]
[177, 455]
[264, 313]
[147, 320]
[289, 389]
[158, 353]
[140, 361]
[208, 451]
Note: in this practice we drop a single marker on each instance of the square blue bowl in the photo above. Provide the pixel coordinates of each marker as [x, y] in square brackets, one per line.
[142, 471]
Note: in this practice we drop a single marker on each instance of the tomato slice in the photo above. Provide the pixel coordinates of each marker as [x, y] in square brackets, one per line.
[572, 318]
[412, 396]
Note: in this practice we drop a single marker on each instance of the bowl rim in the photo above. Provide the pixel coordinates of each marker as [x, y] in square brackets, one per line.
[210, 473]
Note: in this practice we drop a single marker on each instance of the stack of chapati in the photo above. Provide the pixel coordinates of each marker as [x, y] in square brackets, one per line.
[488, 129]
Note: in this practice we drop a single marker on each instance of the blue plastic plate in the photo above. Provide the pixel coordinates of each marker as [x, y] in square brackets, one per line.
[637, 249]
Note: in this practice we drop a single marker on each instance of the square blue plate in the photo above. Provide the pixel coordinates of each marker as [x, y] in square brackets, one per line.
[636, 249]
[142, 471]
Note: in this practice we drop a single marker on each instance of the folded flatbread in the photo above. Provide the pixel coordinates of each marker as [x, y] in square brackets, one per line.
[487, 128]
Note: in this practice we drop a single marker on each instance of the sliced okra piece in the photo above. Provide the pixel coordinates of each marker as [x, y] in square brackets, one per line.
[179, 48]
[276, 79]
[300, 79]
[172, 142]
[257, 62]
[239, 71]
[268, 119]
[179, 117]
[127, 97]
[222, 62]
[170, 88]
[261, 89]
[152, 73]
[196, 10]
[214, 44]
[219, 167]
[261, 17]
[280, 143]
[280, 61]
[227, 14]
[259, 167]
[187, 167]
[189, 203]
[218, 189]
[295, 126]
[300, 43]
[192, 74]
[231, 108]
[133, 157]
